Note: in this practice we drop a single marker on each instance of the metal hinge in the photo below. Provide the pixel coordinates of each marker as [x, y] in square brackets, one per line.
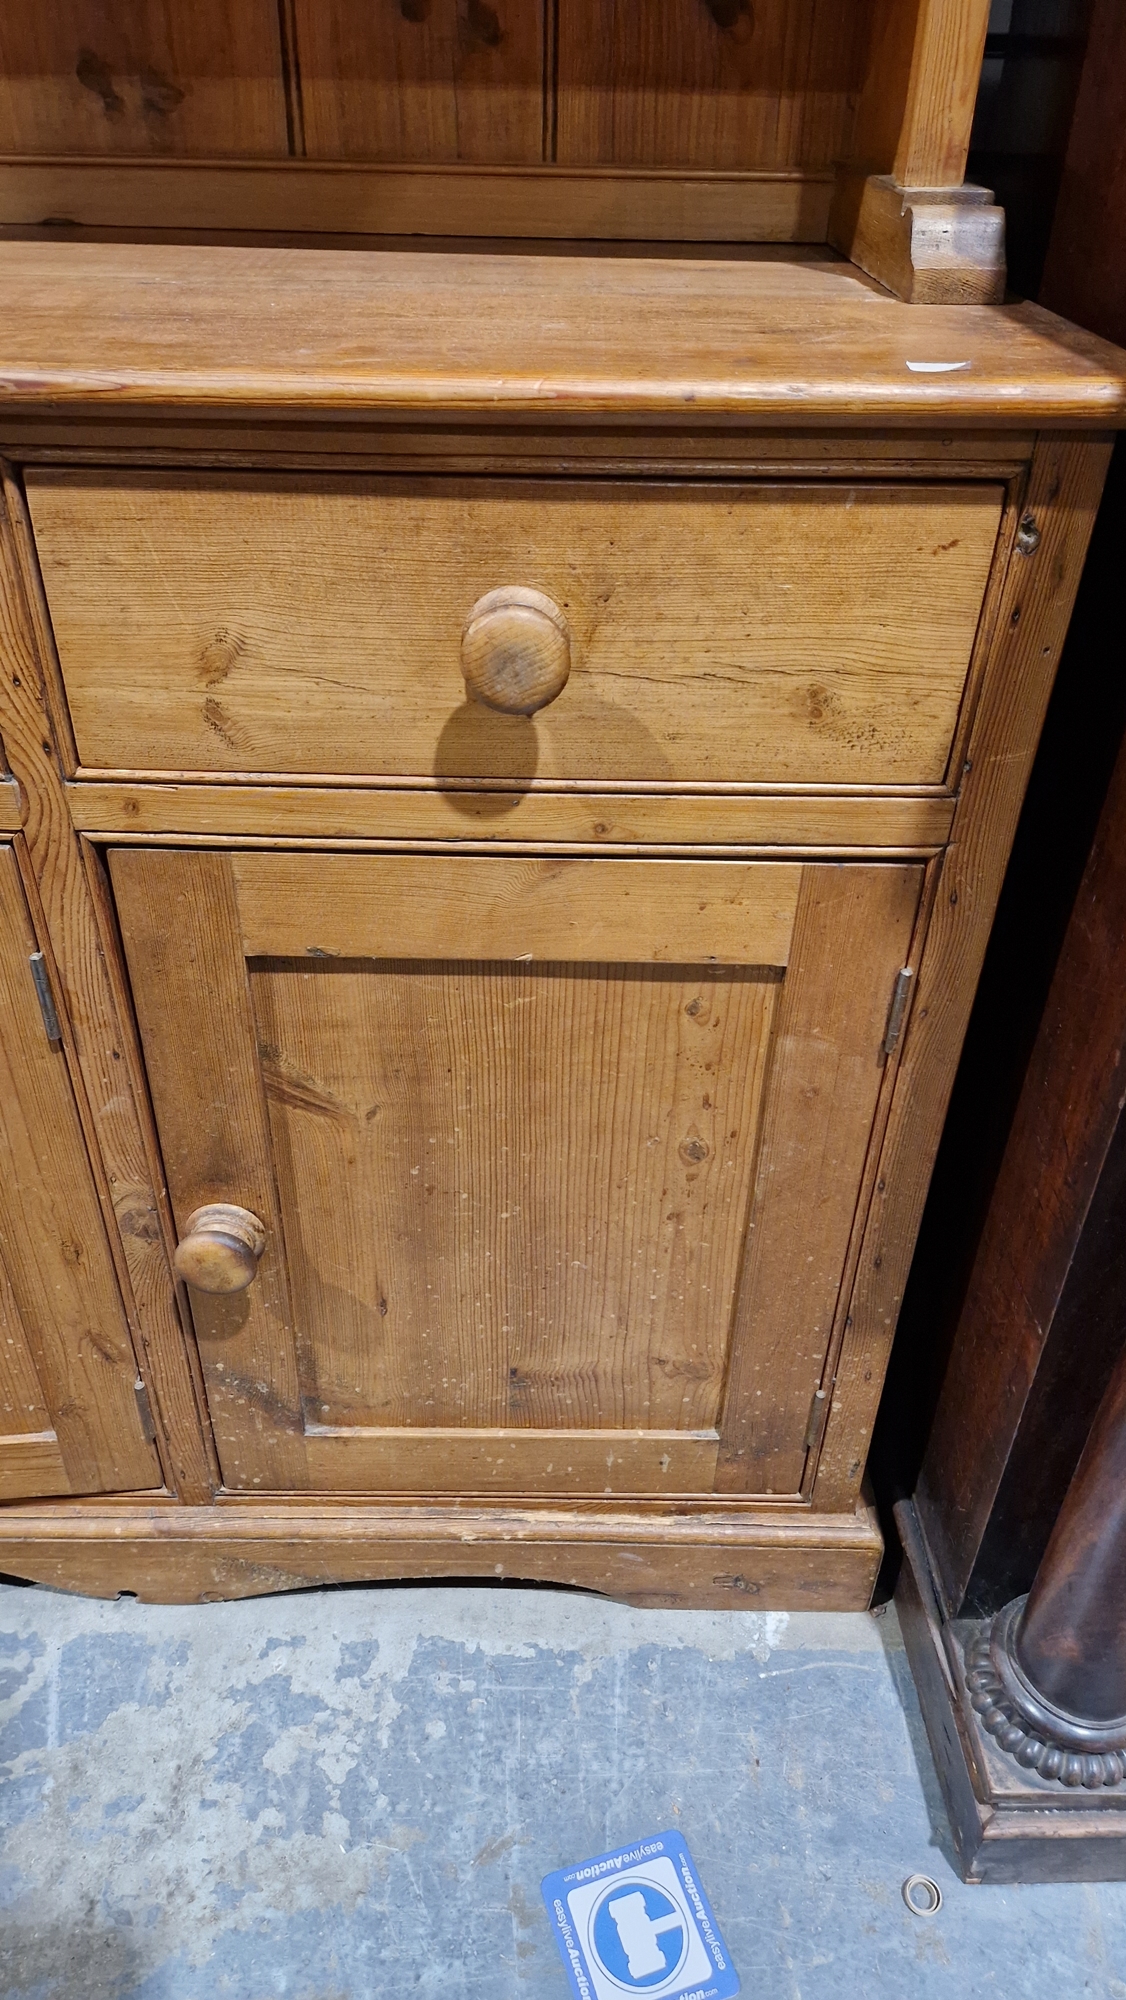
[818, 1418]
[900, 994]
[144, 1411]
[46, 997]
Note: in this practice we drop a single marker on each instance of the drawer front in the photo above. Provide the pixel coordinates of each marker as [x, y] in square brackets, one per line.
[808, 634]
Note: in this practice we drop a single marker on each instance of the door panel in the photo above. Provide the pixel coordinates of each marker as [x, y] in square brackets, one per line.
[69, 1421]
[559, 1161]
[506, 1122]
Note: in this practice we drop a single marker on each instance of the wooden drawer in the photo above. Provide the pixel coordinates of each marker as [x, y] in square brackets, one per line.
[719, 633]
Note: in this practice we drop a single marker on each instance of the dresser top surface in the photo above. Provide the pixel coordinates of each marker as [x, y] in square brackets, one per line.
[544, 333]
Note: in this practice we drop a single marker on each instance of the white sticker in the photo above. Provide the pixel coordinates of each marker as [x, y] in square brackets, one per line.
[936, 367]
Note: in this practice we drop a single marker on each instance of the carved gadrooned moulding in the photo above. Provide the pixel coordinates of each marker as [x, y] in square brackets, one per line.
[1037, 1735]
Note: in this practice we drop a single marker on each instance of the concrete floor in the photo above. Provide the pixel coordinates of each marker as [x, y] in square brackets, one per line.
[356, 1793]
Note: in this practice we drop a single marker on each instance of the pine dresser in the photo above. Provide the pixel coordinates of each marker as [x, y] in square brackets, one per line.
[527, 601]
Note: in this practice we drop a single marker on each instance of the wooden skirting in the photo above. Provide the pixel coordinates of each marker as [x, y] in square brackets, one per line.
[708, 1557]
[299, 198]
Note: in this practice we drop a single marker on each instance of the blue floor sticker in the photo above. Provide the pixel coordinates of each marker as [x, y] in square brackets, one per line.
[637, 1921]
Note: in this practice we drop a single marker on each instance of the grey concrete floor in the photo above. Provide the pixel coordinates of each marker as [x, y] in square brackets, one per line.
[331, 1796]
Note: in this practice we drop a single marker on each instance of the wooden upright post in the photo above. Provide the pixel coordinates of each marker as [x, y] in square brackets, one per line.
[902, 209]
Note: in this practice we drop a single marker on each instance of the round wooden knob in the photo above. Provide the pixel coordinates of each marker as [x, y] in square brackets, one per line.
[220, 1248]
[515, 650]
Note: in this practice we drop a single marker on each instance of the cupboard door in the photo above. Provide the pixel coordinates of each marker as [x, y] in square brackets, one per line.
[557, 1159]
[69, 1418]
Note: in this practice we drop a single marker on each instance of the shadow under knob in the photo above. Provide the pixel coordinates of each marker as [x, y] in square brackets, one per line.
[515, 650]
[220, 1248]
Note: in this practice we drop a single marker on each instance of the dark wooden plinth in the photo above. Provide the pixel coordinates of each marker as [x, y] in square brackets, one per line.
[1009, 1825]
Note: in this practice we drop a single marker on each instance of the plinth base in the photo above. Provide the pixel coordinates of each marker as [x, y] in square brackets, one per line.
[1009, 1824]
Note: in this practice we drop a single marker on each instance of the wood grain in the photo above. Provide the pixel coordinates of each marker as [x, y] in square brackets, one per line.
[343, 203]
[942, 85]
[767, 87]
[31, 1467]
[511, 1197]
[510, 1238]
[824, 1083]
[289, 813]
[23, 1411]
[150, 77]
[902, 210]
[31, 1463]
[1032, 618]
[52, 1241]
[718, 634]
[350, 1458]
[179, 923]
[446, 80]
[461, 907]
[917, 103]
[768, 1559]
[125, 328]
[63, 885]
[556, 450]
[514, 1196]
[928, 246]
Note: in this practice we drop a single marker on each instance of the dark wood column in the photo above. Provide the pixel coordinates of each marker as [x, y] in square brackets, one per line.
[1044, 1316]
[1071, 1640]
[1047, 1676]
[1024, 1696]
